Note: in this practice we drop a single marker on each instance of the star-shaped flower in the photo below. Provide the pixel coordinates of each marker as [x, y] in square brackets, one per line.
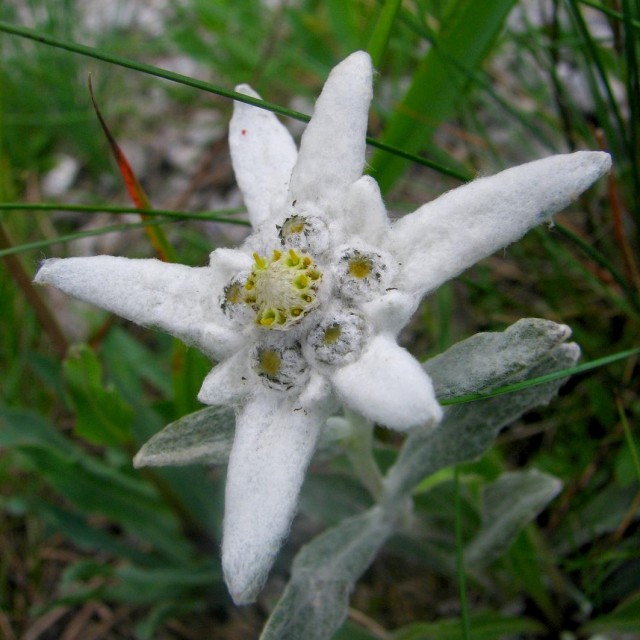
[304, 316]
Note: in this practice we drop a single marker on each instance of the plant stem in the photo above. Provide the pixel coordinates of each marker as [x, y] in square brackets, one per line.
[360, 452]
[460, 568]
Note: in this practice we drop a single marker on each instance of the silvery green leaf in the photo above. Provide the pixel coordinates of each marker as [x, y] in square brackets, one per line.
[348, 497]
[202, 437]
[315, 602]
[487, 360]
[508, 504]
[468, 430]
[206, 436]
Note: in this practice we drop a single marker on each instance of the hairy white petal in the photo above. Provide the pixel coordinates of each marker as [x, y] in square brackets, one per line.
[275, 439]
[388, 385]
[391, 311]
[229, 382]
[175, 298]
[227, 263]
[332, 148]
[263, 154]
[446, 236]
[364, 212]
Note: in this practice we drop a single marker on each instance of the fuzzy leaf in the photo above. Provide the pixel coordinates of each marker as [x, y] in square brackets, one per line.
[206, 437]
[468, 430]
[315, 602]
[485, 360]
[509, 504]
[202, 437]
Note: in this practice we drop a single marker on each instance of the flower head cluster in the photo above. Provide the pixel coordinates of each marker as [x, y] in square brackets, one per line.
[304, 316]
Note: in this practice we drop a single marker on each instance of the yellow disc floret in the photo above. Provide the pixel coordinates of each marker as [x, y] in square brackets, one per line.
[282, 290]
[360, 266]
[269, 363]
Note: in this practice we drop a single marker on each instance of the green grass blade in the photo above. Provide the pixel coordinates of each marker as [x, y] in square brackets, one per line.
[463, 42]
[607, 106]
[379, 40]
[602, 261]
[216, 216]
[632, 51]
[628, 436]
[116, 228]
[122, 61]
[460, 564]
[609, 12]
[556, 375]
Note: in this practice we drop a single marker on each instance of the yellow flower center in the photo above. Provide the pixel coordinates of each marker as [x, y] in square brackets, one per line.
[332, 334]
[360, 266]
[282, 290]
[269, 362]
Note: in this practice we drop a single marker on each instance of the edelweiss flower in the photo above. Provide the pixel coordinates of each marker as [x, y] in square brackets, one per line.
[304, 316]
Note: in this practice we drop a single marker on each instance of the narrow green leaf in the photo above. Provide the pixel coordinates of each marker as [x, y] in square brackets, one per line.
[602, 261]
[161, 583]
[462, 43]
[215, 216]
[189, 367]
[74, 527]
[543, 379]
[138, 195]
[533, 566]
[102, 416]
[382, 31]
[625, 619]
[92, 485]
[116, 228]
[461, 576]
[609, 12]
[628, 436]
[485, 626]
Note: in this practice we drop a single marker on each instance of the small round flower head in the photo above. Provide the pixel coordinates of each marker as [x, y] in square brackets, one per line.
[307, 233]
[279, 366]
[232, 300]
[282, 290]
[362, 273]
[338, 338]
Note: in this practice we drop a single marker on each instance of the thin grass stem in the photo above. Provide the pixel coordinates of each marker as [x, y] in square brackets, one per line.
[222, 215]
[549, 377]
[460, 569]
[609, 12]
[601, 260]
[179, 78]
[116, 228]
[629, 438]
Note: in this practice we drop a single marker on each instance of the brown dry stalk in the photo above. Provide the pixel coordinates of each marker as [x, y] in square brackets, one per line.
[23, 280]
